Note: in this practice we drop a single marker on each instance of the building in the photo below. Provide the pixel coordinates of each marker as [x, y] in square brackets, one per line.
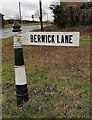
[1, 20]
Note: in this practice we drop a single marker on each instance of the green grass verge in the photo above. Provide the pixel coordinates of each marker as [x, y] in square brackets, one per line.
[56, 89]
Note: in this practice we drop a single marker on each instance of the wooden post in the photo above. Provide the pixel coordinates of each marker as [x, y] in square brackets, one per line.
[40, 4]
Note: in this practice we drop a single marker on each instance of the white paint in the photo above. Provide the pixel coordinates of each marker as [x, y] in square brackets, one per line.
[20, 75]
[75, 38]
[17, 40]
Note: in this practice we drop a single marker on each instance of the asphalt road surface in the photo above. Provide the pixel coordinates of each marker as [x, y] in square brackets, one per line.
[7, 32]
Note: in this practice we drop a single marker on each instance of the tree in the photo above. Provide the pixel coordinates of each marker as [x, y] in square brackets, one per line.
[72, 14]
[86, 13]
[58, 14]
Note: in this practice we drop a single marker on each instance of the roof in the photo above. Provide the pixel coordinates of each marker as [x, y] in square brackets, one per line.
[1, 14]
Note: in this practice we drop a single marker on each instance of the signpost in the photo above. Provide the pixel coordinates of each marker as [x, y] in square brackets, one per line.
[51, 38]
[35, 38]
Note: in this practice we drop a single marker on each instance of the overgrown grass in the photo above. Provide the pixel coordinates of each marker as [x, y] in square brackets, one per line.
[58, 81]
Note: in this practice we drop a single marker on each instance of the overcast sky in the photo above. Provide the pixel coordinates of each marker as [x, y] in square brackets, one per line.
[11, 9]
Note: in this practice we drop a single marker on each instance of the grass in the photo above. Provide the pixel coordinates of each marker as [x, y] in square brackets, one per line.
[58, 81]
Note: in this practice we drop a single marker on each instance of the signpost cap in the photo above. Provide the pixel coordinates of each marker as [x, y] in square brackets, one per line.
[16, 27]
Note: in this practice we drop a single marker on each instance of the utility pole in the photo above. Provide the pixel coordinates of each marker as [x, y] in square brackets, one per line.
[20, 12]
[40, 4]
[47, 17]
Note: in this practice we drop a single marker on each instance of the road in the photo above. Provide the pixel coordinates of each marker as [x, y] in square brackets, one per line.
[7, 32]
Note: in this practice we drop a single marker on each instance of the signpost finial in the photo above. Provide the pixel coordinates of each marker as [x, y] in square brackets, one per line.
[16, 27]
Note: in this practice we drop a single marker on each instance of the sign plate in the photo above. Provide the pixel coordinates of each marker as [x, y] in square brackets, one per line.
[51, 38]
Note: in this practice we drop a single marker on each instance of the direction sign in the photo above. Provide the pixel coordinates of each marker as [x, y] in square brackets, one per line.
[51, 38]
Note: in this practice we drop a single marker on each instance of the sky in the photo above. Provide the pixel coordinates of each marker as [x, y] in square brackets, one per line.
[28, 8]
[10, 8]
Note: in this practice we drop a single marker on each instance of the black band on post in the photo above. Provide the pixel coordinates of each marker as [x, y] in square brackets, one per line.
[18, 54]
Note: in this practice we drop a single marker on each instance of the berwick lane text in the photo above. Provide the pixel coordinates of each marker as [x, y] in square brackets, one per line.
[51, 39]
